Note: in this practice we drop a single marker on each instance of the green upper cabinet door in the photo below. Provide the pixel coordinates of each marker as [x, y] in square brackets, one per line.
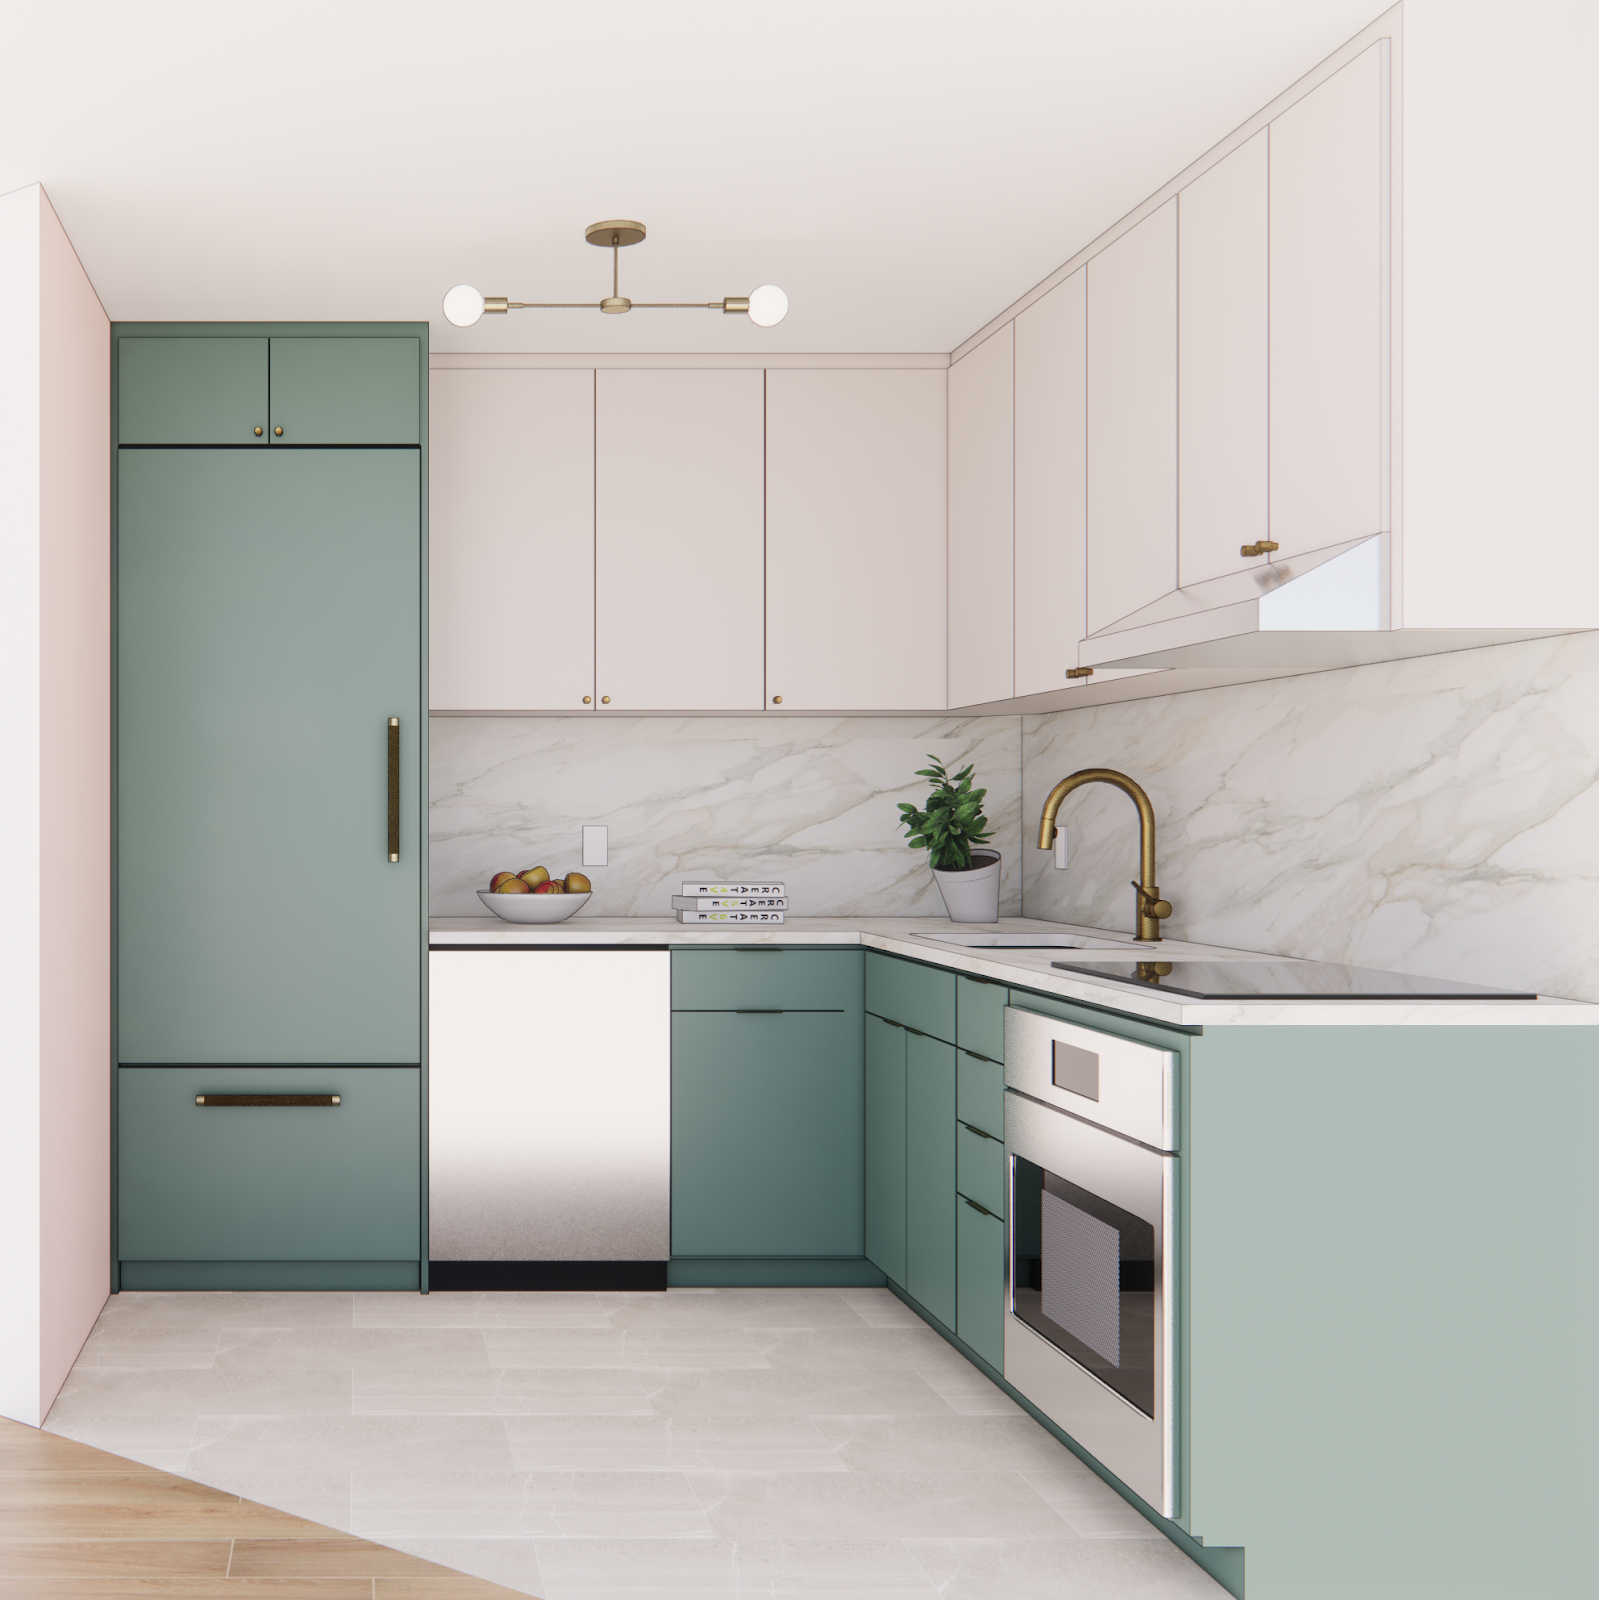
[346, 391]
[269, 625]
[192, 391]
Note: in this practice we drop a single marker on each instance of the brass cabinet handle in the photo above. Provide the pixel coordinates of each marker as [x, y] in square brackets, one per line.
[605, 699]
[1263, 548]
[266, 1100]
[757, 1011]
[258, 433]
[278, 432]
[394, 788]
[588, 699]
[984, 1209]
[777, 699]
[981, 1134]
[1079, 672]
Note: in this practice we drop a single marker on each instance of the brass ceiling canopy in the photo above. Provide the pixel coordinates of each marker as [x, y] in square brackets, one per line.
[766, 306]
[610, 234]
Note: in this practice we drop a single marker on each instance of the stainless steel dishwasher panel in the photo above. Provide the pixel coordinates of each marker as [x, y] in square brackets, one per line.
[549, 1105]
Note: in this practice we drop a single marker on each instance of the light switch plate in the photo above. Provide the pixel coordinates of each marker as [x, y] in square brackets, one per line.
[596, 845]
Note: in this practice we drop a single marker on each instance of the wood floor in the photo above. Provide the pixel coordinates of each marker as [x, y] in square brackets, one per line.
[79, 1524]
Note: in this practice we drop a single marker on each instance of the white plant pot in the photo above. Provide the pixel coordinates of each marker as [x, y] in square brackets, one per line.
[972, 896]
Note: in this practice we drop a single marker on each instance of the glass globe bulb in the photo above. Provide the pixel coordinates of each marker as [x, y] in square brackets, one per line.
[463, 305]
[768, 306]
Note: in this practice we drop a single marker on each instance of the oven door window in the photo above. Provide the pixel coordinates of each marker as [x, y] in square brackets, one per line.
[1083, 1276]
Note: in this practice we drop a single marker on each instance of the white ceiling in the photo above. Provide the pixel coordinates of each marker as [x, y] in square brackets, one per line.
[903, 168]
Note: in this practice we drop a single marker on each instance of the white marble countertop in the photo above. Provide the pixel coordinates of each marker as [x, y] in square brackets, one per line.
[909, 936]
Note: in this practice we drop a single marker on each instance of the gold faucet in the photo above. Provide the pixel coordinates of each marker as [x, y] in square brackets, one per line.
[1150, 907]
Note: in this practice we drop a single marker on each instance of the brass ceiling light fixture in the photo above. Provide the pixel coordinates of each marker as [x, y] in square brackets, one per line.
[765, 307]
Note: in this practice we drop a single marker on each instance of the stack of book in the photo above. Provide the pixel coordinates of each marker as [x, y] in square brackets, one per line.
[703, 901]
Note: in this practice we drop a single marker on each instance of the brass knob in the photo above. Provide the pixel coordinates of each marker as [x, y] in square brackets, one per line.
[278, 432]
[777, 699]
[605, 699]
[258, 433]
[588, 699]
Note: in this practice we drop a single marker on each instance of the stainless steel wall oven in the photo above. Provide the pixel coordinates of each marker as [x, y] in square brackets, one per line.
[1090, 1284]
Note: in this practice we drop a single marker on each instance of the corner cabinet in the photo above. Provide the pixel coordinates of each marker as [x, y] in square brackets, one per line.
[269, 771]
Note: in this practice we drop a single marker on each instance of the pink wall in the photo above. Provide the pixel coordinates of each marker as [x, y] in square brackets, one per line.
[55, 805]
[75, 804]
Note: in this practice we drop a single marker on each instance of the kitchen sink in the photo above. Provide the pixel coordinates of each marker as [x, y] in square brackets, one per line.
[1028, 941]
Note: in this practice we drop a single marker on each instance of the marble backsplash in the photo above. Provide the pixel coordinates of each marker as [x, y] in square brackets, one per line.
[810, 801]
[1438, 815]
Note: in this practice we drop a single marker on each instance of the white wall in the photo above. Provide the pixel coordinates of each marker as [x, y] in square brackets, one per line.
[1438, 815]
[55, 807]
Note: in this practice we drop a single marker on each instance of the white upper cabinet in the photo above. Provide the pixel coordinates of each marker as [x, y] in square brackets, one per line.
[679, 559]
[511, 541]
[1132, 420]
[1051, 485]
[981, 539]
[1329, 310]
[1222, 366]
[855, 540]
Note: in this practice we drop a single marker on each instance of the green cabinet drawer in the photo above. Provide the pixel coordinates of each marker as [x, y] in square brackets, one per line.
[980, 1293]
[269, 1183]
[906, 992]
[346, 391]
[980, 1093]
[192, 391]
[930, 1175]
[766, 977]
[980, 1016]
[980, 1168]
[885, 1147]
[768, 1137]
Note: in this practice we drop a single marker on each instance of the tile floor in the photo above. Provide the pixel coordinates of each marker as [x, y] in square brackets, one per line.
[705, 1442]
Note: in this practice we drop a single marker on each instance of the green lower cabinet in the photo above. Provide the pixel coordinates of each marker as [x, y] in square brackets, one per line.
[980, 1282]
[269, 1183]
[767, 1134]
[930, 1175]
[980, 1093]
[980, 1016]
[980, 1167]
[885, 1147]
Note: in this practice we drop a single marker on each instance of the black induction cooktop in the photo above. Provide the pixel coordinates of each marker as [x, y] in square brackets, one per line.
[1282, 980]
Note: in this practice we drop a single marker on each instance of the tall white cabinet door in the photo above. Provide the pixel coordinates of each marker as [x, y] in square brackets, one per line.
[1051, 485]
[511, 534]
[679, 559]
[1132, 420]
[1329, 291]
[1222, 366]
[855, 519]
[981, 528]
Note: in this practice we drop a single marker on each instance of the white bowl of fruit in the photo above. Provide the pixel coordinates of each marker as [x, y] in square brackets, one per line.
[534, 896]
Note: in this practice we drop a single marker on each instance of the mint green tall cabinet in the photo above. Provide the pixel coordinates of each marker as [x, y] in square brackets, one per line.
[271, 789]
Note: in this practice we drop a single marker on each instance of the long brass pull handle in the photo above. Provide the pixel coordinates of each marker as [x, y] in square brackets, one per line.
[394, 788]
[266, 1100]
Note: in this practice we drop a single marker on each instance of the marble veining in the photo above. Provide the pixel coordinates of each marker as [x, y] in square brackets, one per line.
[807, 800]
[1438, 815]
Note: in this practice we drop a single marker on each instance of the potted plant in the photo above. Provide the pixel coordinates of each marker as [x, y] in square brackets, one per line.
[953, 822]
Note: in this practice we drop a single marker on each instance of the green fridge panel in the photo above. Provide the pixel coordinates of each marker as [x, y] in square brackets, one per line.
[192, 391]
[767, 1135]
[885, 1147]
[269, 1183]
[269, 626]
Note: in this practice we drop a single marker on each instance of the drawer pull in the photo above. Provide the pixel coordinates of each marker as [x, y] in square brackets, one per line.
[979, 1056]
[266, 1100]
[981, 1134]
[757, 1011]
[984, 1209]
[759, 950]
[394, 788]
